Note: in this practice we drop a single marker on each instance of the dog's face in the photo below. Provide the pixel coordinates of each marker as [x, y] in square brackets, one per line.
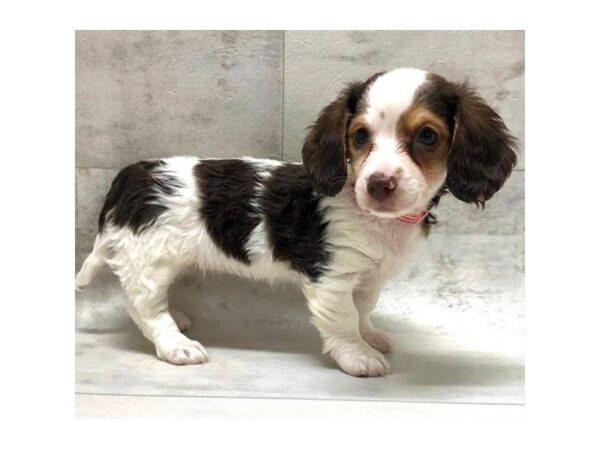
[400, 136]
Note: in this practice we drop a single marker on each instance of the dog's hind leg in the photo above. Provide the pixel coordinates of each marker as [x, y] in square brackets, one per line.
[148, 306]
[91, 265]
[182, 321]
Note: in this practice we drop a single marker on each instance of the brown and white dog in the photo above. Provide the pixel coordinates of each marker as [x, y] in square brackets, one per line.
[376, 161]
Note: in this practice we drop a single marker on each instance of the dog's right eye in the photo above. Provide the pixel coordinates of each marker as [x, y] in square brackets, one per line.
[362, 137]
[427, 136]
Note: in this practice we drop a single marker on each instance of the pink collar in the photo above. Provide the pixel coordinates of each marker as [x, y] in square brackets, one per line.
[413, 219]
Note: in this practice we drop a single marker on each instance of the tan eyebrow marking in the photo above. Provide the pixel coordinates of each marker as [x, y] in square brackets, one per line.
[409, 125]
[357, 123]
[417, 116]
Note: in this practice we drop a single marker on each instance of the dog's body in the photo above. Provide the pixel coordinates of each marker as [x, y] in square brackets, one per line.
[340, 225]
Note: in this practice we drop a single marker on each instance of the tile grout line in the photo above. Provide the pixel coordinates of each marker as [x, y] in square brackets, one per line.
[282, 94]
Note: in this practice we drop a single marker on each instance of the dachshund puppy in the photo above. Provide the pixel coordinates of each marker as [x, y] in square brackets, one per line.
[376, 160]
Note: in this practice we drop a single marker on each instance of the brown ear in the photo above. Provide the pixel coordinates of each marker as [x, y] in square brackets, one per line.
[324, 150]
[482, 155]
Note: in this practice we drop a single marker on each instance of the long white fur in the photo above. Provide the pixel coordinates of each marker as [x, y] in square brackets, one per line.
[366, 251]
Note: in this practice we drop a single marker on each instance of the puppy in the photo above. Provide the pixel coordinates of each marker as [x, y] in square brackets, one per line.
[376, 160]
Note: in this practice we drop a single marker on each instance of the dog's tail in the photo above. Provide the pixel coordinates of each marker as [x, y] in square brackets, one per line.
[91, 265]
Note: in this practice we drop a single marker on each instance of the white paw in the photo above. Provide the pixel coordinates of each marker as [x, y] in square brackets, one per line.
[182, 321]
[183, 353]
[377, 339]
[360, 360]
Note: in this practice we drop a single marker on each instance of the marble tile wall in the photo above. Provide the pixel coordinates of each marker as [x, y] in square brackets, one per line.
[144, 94]
[318, 64]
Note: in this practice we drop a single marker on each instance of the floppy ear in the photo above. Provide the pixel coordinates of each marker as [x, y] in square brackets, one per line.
[482, 155]
[324, 150]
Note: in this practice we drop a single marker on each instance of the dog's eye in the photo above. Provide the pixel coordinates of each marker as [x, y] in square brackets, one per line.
[362, 137]
[427, 136]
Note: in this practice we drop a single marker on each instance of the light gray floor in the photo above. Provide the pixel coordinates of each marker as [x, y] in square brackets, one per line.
[456, 318]
[160, 407]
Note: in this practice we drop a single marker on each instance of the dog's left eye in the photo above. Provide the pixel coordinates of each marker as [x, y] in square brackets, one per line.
[362, 137]
[427, 136]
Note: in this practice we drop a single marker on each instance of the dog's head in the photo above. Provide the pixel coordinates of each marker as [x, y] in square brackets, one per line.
[401, 136]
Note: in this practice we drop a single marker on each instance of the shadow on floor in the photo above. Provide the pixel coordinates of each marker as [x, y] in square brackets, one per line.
[245, 315]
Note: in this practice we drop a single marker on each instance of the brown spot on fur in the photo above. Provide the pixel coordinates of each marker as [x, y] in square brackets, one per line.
[418, 116]
[432, 159]
[357, 155]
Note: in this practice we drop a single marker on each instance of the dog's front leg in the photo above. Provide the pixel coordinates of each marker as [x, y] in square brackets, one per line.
[365, 299]
[336, 318]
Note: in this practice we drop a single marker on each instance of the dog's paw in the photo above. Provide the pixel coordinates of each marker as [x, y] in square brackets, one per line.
[377, 339]
[182, 321]
[183, 353]
[360, 360]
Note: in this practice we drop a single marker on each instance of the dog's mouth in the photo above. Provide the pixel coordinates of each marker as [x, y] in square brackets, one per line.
[384, 213]
[391, 208]
[387, 196]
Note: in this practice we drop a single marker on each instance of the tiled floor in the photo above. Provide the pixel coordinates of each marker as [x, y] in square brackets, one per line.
[157, 407]
[456, 317]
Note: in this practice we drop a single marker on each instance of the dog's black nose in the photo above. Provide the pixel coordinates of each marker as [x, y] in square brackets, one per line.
[381, 186]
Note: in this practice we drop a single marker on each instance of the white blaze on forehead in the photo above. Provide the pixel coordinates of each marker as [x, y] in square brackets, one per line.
[391, 94]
